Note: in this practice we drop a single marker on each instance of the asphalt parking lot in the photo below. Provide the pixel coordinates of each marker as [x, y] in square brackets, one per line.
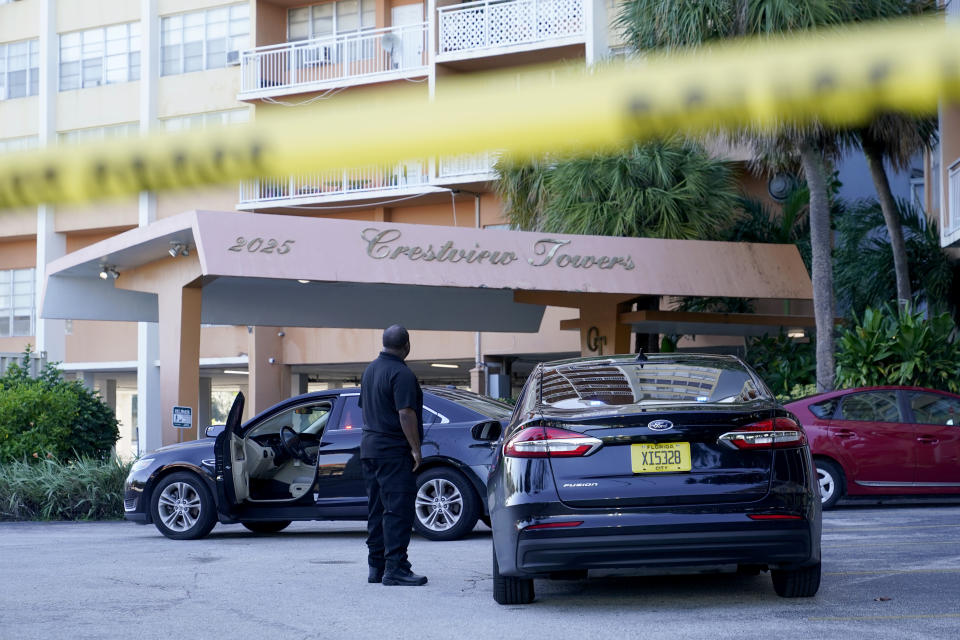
[889, 572]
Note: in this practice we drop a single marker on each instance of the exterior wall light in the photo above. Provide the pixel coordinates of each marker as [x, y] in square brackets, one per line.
[796, 334]
[108, 271]
[178, 249]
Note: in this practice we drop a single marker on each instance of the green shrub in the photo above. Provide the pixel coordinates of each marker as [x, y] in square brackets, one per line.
[50, 415]
[83, 489]
[899, 346]
[782, 362]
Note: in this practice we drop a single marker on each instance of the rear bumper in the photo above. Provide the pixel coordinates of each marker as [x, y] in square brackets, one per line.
[707, 540]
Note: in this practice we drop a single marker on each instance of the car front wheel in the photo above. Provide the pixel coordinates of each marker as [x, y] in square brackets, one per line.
[182, 507]
[830, 479]
[446, 505]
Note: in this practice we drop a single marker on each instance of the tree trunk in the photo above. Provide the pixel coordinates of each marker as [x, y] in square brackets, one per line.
[874, 155]
[821, 239]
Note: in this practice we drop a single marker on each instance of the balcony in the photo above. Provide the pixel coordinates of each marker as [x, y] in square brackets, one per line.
[335, 186]
[494, 27]
[953, 199]
[365, 57]
[474, 167]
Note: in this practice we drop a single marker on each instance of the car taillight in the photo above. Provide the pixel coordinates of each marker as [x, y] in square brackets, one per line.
[772, 433]
[549, 442]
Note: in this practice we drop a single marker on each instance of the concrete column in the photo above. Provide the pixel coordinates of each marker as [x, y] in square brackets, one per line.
[110, 393]
[265, 365]
[601, 333]
[149, 425]
[595, 26]
[149, 428]
[298, 384]
[203, 408]
[88, 379]
[432, 26]
[478, 380]
[179, 358]
[50, 334]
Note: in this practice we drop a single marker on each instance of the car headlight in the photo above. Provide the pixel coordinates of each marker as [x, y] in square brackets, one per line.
[142, 463]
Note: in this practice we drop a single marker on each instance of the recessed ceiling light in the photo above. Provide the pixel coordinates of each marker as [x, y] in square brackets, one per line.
[442, 365]
[303, 281]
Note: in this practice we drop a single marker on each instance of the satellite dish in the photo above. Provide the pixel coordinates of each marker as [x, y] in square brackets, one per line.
[391, 43]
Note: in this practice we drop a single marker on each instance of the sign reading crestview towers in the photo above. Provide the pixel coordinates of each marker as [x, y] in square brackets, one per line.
[388, 244]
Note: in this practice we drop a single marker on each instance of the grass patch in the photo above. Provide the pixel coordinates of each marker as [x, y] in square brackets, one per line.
[84, 489]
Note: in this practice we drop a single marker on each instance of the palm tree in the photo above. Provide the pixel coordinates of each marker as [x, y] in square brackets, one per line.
[895, 138]
[664, 189]
[862, 247]
[665, 24]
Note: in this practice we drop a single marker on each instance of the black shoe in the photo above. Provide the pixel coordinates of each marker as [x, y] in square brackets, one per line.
[403, 579]
[375, 575]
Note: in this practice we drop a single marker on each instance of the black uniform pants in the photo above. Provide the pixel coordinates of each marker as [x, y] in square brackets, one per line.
[391, 491]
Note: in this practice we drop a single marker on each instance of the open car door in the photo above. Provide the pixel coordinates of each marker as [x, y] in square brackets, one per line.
[233, 484]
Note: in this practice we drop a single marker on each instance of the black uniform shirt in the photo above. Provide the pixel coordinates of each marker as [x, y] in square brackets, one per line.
[387, 386]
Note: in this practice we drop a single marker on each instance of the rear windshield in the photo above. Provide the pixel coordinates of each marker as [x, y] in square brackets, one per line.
[627, 382]
[481, 404]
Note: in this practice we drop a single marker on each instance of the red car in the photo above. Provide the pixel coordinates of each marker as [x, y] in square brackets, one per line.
[883, 441]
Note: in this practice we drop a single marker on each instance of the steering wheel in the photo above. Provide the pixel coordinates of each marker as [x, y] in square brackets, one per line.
[293, 445]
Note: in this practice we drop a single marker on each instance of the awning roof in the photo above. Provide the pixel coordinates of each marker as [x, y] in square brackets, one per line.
[370, 274]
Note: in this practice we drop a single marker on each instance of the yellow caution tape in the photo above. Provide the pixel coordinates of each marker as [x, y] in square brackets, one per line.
[838, 77]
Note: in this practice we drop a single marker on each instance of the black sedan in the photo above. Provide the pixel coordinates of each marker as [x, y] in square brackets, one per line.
[300, 460]
[652, 462]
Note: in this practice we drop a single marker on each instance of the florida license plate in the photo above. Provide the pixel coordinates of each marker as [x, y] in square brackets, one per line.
[659, 457]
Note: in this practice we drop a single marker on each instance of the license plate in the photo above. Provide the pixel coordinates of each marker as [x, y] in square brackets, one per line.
[659, 457]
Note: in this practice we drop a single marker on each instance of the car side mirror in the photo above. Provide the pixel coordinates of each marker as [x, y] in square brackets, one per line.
[487, 431]
[214, 430]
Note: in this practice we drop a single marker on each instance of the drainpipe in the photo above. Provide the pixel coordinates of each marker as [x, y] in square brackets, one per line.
[480, 369]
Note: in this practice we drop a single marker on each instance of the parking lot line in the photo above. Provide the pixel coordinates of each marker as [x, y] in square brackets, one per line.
[918, 616]
[887, 544]
[888, 572]
[855, 528]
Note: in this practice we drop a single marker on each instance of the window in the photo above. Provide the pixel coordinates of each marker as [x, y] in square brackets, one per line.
[22, 143]
[74, 136]
[19, 69]
[105, 55]
[330, 18]
[871, 406]
[204, 120]
[203, 39]
[352, 415]
[16, 302]
[931, 408]
[306, 418]
[825, 409]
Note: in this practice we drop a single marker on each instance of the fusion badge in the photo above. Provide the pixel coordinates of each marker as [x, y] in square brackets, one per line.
[660, 425]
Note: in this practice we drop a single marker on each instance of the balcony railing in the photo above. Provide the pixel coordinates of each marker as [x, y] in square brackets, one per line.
[275, 191]
[355, 58]
[505, 23]
[473, 164]
[953, 197]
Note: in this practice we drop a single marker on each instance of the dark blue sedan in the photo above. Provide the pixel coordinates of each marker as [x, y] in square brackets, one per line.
[300, 460]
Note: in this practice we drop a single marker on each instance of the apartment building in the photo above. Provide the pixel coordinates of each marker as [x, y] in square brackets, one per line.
[943, 165]
[81, 70]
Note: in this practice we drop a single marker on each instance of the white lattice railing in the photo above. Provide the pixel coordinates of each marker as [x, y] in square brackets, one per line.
[467, 165]
[503, 23]
[365, 54]
[333, 183]
[953, 197]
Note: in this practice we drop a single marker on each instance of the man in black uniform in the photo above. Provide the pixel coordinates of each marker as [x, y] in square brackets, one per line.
[392, 404]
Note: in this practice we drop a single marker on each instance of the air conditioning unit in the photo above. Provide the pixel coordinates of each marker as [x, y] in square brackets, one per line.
[311, 56]
[233, 58]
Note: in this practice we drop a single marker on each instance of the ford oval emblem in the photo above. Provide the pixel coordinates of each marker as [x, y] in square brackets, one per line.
[660, 425]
